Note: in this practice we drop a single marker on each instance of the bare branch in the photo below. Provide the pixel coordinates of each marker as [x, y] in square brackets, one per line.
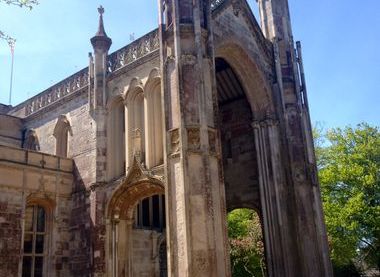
[21, 3]
[8, 39]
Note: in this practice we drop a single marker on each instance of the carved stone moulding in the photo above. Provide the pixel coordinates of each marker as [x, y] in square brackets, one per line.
[132, 52]
[174, 141]
[212, 135]
[268, 121]
[193, 138]
[56, 92]
[138, 184]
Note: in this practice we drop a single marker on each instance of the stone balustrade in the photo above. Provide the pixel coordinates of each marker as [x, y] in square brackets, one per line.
[134, 51]
[68, 86]
[116, 60]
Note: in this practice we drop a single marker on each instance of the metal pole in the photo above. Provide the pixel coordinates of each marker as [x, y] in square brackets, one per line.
[11, 45]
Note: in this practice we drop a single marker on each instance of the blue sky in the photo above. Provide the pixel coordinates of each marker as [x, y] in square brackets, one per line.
[338, 36]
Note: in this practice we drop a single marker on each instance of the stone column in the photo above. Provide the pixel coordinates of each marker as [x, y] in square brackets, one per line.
[196, 214]
[267, 143]
[307, 238]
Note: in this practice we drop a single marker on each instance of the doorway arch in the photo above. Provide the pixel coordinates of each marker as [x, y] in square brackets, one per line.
[241, 159]
[239, 155]
[251, 77]
[127, 233]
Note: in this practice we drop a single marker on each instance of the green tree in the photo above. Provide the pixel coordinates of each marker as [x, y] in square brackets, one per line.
[246, 243]
[349, 171]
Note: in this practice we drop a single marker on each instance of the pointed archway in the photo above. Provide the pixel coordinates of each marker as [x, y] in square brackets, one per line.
[131, 214]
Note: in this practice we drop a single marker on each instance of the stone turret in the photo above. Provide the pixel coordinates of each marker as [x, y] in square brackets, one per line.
[275, 19]
[98, 64]
[300, 165]
[98, 93]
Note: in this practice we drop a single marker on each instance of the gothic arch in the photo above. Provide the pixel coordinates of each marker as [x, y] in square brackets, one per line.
[116, 137]
[252, 206]
[137, 185]
[116, 97]
[136, 120]
[31, 141]
[153, 119]
[61, 133]
[251, 173]
[134, 84]
[42, 200]
[251, 77]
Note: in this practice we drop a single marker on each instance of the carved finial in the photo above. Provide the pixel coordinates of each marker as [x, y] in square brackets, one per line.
[101, 10]
[101, 40]
[101, 31]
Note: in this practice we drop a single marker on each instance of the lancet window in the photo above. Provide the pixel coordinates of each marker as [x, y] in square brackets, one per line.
[31, 140]
[35, 240]
[61, 134]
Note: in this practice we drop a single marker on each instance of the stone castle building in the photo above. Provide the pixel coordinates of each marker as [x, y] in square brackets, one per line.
[128, 167]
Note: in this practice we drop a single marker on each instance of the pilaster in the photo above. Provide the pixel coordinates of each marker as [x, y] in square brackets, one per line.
[195, 191]
[305, 210]
[97, 106]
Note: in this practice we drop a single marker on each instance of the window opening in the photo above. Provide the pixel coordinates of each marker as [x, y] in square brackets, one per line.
[150, 213]
[34, 241]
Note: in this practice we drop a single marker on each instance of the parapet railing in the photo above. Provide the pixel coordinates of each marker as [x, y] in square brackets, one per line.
[117, 60]
[134, 51]
[68, 86]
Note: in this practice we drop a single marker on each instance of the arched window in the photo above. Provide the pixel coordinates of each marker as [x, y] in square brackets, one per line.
[154, 135]
[150, 213]
[31, 140]
[35, 241]
[116, 139]
[61, 134]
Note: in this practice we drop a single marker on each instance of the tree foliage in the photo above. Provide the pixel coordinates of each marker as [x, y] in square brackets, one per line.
[21, 3]
[246, 243]
[349, 171]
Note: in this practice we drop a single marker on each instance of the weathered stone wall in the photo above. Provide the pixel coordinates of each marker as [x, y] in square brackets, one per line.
[10, 231]
[82, 137]
[233, 28]
[80, 236]
[82, 149]
[28, 178]
[11, 129]
[145, 253]
[239, 156]
[4, 109]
